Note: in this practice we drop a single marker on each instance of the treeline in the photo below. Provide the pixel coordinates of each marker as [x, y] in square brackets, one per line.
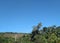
[49, 34]
[9, 33]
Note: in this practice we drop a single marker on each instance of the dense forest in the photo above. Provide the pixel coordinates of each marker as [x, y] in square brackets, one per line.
[49, 34]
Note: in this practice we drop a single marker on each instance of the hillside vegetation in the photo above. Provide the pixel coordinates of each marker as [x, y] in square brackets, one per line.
[49, 34]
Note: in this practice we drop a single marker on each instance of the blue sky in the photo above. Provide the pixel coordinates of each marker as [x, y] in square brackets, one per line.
[21, 15]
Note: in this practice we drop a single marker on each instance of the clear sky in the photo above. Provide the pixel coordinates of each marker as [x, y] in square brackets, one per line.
[21, 15]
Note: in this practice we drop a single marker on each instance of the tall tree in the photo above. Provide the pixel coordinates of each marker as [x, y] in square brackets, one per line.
[36, 30]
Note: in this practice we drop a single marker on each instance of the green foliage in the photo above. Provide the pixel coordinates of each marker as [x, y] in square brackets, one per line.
[48, 35]
[45, 35]
[52, 38]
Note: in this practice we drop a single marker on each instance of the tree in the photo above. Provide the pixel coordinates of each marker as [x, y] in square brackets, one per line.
[44, 29]
[52, 38]
[36, 30]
